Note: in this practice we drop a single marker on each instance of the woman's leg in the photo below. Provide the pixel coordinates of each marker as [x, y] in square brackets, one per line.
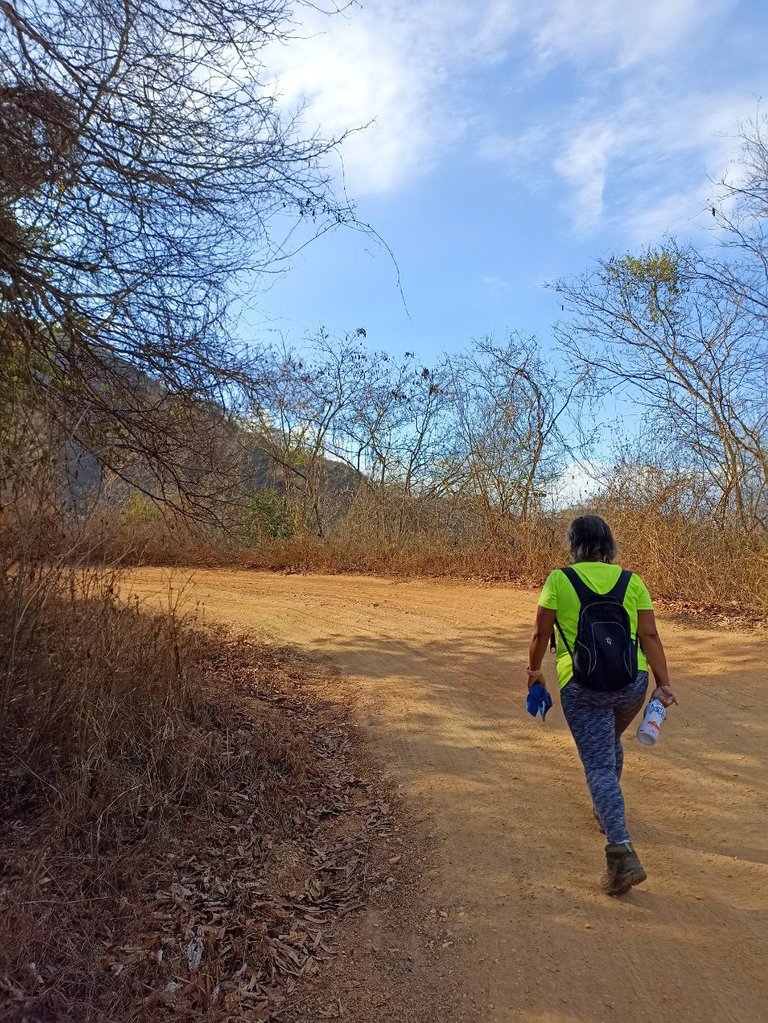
[626, 711]
[594, 731]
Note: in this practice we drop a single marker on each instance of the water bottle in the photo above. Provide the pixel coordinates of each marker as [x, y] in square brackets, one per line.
[648, 732]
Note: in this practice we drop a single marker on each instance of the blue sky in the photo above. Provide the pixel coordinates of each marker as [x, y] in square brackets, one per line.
[512, 143]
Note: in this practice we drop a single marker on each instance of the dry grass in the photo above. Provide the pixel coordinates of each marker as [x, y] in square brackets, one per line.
[97, 698]
[149, 771]
[683, 561]
[695, 562]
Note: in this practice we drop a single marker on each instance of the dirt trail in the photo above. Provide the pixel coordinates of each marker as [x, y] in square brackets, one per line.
[437, 672]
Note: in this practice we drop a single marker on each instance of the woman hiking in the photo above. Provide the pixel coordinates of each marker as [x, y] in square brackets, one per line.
[607, 640]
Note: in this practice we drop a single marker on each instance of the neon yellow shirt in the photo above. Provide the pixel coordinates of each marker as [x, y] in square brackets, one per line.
[558, 595]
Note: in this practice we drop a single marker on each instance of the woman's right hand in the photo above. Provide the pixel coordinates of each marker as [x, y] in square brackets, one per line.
[665, 694]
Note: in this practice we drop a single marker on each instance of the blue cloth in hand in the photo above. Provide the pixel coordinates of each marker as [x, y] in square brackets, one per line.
[538, 700]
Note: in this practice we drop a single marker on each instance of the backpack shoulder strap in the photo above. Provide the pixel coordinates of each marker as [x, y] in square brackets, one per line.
[583, 592]
[566, 644]
[619, 591]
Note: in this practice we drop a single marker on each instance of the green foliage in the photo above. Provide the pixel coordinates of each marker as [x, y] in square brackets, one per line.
[268, 515]
[653, 269]
[297, 454]
[17, 374]
[653, 280]
[139, 510]
[13, 375]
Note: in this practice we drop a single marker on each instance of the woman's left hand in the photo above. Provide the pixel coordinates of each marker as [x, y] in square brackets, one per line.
[663, 693]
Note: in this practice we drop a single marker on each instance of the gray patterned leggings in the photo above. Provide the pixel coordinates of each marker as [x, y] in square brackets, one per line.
[596, 721]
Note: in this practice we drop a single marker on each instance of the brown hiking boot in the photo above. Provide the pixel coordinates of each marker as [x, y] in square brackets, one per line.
[624, 869]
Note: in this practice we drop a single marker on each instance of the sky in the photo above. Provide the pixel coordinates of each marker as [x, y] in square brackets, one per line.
[509, 143]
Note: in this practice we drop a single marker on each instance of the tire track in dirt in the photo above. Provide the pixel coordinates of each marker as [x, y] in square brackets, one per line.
[435, 669]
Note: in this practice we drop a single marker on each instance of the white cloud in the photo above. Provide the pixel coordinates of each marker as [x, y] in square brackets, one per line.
[638, 160]
[625, 32]
[396, 64]
[583, 164]
[518, 152]
[495, 285]
[648, 222]
[659, 160]
[619, 146]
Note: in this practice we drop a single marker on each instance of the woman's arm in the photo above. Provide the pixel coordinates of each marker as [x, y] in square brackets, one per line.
[542, 630]
[650, 641]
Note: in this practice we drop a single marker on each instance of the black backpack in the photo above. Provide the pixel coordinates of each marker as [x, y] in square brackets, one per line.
[604, 654]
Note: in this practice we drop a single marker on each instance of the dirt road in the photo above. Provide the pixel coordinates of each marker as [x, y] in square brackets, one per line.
[437, 671]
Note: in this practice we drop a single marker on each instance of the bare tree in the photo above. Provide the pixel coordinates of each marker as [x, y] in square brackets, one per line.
[341, 406]
[392, 434]
[305, 418]
[509, 410]
[671, 331]
[146, 172]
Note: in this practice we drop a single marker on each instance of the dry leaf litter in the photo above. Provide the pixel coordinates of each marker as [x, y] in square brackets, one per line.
[222, 916]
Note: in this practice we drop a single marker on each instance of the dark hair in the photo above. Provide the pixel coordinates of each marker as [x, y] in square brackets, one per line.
[591, 539]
